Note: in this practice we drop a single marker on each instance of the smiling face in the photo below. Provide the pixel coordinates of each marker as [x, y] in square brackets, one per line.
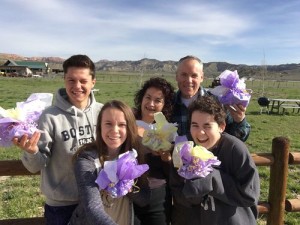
[113, 130]
[153, 101]
[205, 130]
[189, 76]
[78, 84]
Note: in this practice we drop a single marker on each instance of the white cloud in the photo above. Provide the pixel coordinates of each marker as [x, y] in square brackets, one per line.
[161, 29]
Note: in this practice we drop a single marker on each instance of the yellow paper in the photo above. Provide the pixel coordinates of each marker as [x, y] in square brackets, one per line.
[201, 153]
[161, 136]
[14, 113]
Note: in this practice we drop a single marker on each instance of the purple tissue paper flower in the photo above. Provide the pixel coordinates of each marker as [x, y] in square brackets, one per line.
[179, 139]
[229, 79]
[232, 90]
[22, 119]
[193, 166]
[117, 177]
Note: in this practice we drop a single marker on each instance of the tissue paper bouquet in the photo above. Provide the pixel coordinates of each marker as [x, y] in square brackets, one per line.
[117, 176]
[161, 134]
[23, 119]
[193, 162]
[232, 89]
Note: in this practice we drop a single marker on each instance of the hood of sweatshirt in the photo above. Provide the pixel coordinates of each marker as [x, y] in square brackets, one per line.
[63, 104]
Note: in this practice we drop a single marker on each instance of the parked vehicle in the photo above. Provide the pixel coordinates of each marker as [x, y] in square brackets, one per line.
[36, 76]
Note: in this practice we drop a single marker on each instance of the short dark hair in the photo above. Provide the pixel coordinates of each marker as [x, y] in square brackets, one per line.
[210, 105]
[167, 90]
[81, 61]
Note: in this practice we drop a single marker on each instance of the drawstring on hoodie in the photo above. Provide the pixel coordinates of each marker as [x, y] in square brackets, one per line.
[92, 125]
[76, 125]
[93, 130]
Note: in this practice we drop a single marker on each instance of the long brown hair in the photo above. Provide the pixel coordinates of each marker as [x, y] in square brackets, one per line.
[99, 144]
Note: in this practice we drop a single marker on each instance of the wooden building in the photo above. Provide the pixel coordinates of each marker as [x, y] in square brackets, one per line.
[24, 68]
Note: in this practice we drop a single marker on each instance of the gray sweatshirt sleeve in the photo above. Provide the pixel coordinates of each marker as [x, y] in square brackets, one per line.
[240, 187]
[89, 196]
[35, 162]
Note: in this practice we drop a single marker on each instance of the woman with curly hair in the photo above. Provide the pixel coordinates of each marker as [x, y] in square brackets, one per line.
[156, 95]
[161, 92]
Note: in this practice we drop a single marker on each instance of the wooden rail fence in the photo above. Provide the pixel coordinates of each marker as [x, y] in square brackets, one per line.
[274, 207]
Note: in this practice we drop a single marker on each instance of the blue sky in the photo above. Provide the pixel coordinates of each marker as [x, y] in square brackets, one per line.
[234, 31]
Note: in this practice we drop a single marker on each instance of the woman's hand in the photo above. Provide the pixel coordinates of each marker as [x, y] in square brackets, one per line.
[166, 156]
[141, 131]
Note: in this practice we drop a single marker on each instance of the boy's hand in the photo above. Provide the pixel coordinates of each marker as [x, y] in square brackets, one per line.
[28, 144]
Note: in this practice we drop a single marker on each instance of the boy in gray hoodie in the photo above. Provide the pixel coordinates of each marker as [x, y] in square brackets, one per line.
[229, 194]
[64, 127]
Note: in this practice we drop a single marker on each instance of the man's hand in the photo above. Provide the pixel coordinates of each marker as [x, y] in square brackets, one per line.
[28, 144]
[237, 112]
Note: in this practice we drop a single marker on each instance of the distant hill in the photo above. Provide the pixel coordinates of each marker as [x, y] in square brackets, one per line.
[147, 65]
[211, 69]
[5, 56]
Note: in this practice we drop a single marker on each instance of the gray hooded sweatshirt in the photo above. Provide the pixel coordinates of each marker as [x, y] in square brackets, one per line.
[65, 128]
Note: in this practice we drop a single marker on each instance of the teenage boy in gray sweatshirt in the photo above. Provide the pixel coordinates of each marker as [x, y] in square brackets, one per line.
[229, 194]
[65, 126]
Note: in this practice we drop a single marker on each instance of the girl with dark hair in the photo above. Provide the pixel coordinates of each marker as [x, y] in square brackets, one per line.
[156, 95]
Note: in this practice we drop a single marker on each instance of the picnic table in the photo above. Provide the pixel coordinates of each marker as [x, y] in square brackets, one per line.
[283, 103]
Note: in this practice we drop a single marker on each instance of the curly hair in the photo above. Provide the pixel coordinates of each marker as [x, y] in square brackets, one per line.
[210, 105]
[160, 84]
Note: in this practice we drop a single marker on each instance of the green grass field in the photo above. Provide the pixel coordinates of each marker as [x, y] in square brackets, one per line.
[20, 196]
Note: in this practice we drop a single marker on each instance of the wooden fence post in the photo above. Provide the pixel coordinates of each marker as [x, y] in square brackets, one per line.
[278, 180]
